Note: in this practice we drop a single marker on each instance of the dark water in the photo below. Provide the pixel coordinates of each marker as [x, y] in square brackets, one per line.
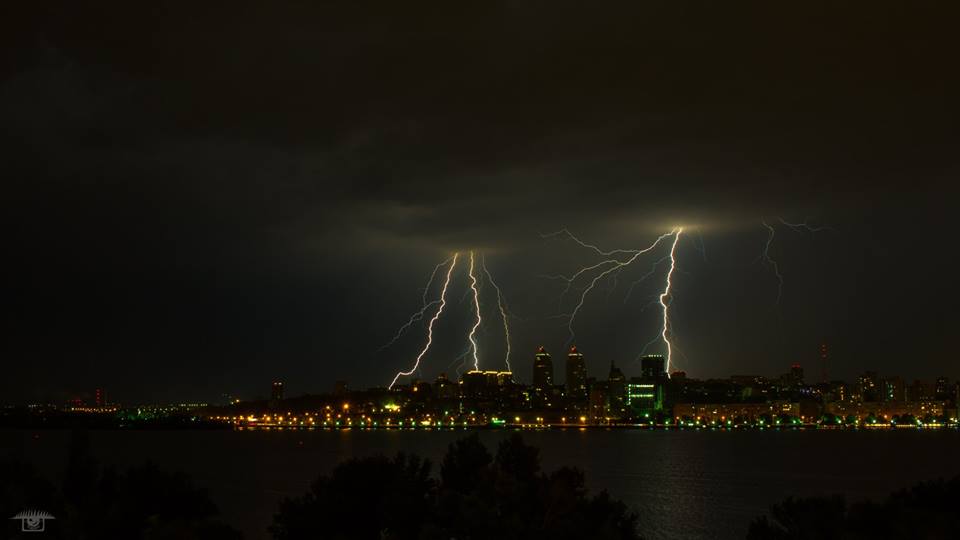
[684, 484]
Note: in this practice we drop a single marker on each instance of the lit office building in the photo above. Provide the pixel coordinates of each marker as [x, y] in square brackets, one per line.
[576, 383]
[542, 371]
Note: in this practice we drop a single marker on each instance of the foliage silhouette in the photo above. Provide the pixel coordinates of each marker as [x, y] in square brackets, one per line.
[95, 502]
[927, 510]
[477, 496]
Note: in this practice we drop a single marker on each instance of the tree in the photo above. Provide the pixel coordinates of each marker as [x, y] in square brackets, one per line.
[478, 496]
[92, 501]
[927, 510]
[373, 497]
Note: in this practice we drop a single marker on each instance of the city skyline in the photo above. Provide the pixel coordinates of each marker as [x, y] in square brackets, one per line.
[542, 372]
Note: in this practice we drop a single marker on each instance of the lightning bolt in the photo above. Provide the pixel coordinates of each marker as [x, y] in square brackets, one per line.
[503, 309]
[571, 279]
[612, 264]
[771, 232]
[668, 295]
[599, 251]
[462, 359]
[476, 304]
[419, 314]
[643, 278]
[443, 302]
[805, 226]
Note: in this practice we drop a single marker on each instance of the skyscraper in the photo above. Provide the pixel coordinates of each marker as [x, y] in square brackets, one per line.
[276, 391]
[796, 374]
[542, 370]
[616, 391]
[868, 386]
[576, 375]
[652, 367]
[99, 398]
[942, 389]
[894, 389]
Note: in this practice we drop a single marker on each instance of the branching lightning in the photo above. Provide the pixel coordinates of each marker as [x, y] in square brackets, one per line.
[476, 304]
[804, 226]
[443, 302]
[612, 265]
[419, 314]
[569, 280]
[471, 356]
[503, 309]
[771, 232]
[599, 251]
[643, 278]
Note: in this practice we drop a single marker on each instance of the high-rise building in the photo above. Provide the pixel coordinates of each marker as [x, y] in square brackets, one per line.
[99, 397]
[576, 375]
[869, 386]
[599, 403]
[943, 388]
[796, 374]
[276, 391]
[652, 367]
[920, 391]
[444, 387]
[484, 383]
[644, 398]
[824, 363]
[542, 371]
[894, 389]
[616, 392]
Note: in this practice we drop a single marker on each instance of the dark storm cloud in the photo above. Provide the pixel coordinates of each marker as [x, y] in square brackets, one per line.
[226, 185]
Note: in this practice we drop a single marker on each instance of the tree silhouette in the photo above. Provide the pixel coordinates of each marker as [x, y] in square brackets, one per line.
[373, 497]
[478, 496]
[927, 510]
[93, 502]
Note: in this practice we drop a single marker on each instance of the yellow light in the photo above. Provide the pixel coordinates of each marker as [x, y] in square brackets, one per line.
[583, 418]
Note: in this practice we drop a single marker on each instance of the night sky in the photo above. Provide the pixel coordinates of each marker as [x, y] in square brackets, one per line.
[200, 199]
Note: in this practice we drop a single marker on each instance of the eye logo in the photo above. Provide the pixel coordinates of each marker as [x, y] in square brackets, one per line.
[33, 520]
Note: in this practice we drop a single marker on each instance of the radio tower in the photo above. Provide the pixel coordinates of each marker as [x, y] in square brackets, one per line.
[823, 362]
